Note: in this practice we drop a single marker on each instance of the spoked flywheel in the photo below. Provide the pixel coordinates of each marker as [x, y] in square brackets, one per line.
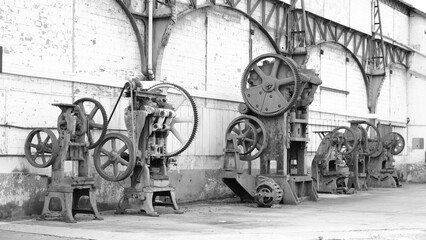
[369, 137]
[114, 158]
[270, 84]
[250, 135]
[395, 142]
[41, 148]
[184, 126]
[345, 139]
[96, 125]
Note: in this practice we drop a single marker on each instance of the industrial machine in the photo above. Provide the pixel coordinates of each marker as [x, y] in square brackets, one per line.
[380, 168]
[161, 122]
[341, 161]
[81, 127]
[273, 129]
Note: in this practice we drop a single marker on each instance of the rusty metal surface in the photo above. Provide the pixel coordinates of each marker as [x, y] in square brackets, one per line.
[161, 123]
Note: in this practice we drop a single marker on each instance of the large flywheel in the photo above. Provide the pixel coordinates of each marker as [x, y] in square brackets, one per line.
[250, 135]
[114, 158]
[369, 137]
[270, 84]
[395, 142]
[96, 120]
[345, 139]
[184, 126]
[41, 148]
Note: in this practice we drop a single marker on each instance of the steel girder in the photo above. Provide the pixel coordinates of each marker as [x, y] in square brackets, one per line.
[278, 20]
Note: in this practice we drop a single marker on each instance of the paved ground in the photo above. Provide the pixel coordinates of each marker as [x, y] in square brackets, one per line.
[374, 214]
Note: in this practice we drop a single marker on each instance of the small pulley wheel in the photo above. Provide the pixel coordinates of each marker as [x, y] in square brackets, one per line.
[41, 148]
[95, 118]
[253, 150]
[369, 137]
[184, 125]
[395, 142]
[114, 158]
[345, 139]
[270, 84]
[245, 134]
[268, 193]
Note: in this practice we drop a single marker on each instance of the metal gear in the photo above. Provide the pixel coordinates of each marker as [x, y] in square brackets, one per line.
[268, 192]
[272, 88]
[172, 91]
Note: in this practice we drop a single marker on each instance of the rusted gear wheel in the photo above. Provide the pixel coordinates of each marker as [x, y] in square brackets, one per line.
[245, 133]
[345, 139]
[184, 125]
[96, 118]
[268, 193]
[270, 84]
[41, 148]
[114, 158]
[395, 142]
[259, 129]
[369, 137]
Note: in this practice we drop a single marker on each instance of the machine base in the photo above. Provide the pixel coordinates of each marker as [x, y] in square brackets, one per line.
[146, 200]
[69, 197]
[385, 180]
[296, 188]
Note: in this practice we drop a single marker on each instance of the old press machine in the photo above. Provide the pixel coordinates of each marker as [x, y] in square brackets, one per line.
[161, 122]
[81, 127]
[356, 157]
[273, 128]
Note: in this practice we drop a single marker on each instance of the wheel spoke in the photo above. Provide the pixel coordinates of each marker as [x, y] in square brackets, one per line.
[183, 120]
[113, 145]
[45, 142]
[122, 149]
[104, 151]
[33, 145]
[177, 135]
[244, 146]
[106, 164]
[235, 130]
[43, 158]
[115, 167]
[122, 161]
[275, 68]
[35, 156]
[259, 72]
[39, 137]
[93, 112]
[93, 125]
[178, 104]
[285, 81]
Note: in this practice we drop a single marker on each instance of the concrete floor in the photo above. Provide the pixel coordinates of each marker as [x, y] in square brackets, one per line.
[375, 214]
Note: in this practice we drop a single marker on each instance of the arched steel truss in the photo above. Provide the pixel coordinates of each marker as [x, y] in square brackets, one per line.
[277, 20]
